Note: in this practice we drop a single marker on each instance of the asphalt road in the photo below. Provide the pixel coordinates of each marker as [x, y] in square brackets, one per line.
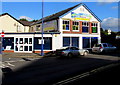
[49, 70]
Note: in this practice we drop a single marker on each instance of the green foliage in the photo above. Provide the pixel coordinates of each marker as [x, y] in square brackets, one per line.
[23, 19]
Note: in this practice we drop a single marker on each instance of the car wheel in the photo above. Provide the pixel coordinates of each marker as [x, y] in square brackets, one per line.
[85, 53]
[70, 54]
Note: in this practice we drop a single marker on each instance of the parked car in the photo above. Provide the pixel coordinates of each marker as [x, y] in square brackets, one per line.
[103, 48]
[71, 51]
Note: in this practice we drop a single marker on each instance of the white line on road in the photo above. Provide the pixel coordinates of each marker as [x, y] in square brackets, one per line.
[10, 64]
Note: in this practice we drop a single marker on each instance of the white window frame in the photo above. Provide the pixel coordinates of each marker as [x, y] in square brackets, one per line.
[95, 25]
[86, 26]
[66, 24]
[75, 25]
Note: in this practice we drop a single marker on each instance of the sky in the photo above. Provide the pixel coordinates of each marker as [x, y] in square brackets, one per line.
[107, 12]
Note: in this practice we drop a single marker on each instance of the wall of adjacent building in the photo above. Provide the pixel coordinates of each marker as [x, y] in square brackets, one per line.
[8, 24]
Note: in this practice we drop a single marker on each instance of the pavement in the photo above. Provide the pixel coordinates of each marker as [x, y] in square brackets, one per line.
[20, 55]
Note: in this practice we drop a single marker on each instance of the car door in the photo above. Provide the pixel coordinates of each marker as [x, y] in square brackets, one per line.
[75, 51]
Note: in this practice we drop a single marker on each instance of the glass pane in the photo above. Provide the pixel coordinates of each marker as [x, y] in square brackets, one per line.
[21, 48]
[30, 48]
[16, 48]
[21, 41]
[26, 48]
[67, 27]
[66, 41]
[73, 27]
[30, 40]
[75, 41]
[16, 41]
[94, 29]
[84, 29]
[26, 41]
[64, 27]
[86, 42]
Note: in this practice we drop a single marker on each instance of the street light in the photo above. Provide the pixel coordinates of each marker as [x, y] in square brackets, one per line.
[42, 53]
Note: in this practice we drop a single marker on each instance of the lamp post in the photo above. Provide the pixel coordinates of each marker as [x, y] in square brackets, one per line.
[42, 53]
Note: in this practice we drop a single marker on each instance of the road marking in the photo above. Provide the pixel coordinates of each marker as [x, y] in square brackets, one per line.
[10, 64]
[83, 75]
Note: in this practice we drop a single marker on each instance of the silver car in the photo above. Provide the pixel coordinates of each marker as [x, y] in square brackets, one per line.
[71, 51]
[103, 48]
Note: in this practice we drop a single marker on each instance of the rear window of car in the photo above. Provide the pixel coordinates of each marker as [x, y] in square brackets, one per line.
[109, 45]
[98, 45]
[105, 45]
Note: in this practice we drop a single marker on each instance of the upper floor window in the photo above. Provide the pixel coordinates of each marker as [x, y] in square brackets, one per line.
[75, 25]
[38, 28]
[66, 24]
[85, 27]
[94, 27]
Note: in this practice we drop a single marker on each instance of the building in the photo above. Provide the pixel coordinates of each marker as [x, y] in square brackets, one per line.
[76, 26]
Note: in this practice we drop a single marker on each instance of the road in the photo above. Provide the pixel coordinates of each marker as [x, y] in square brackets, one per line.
[46, 71]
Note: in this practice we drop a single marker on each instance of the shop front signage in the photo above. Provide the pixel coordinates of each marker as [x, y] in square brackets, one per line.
[81, 16]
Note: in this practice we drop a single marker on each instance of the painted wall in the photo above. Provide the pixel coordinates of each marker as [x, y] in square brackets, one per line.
[8, 24]
[80, 14]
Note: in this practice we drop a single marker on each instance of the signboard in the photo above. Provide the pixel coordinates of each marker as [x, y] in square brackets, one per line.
[81, 16]
[50, 25]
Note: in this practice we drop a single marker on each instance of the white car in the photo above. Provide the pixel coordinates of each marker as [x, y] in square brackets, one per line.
[103, 48]
[71, 51]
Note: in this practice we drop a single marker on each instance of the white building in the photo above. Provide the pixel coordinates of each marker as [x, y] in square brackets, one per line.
[76, 26]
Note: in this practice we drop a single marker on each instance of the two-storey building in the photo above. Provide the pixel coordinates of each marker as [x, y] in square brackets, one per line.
[76, 26]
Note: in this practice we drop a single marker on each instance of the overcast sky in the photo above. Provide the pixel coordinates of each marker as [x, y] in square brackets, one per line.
[107, 12]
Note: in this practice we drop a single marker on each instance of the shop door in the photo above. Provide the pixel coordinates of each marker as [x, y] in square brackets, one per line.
[23, 45]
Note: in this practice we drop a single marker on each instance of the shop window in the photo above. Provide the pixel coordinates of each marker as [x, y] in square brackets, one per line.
[66, 24]
[74, 41]
[75, 25]
[66, 41]
[86, 42]
[47, 43]
[9, 41]
[94, 40]
[94, 27]
[85, 27]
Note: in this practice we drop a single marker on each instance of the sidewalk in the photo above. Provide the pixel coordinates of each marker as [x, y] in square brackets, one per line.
[21, 55]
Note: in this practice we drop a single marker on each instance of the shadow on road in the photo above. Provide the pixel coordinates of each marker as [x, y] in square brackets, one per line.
[46, 71]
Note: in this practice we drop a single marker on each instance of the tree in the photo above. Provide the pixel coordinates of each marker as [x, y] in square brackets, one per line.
[23, 19]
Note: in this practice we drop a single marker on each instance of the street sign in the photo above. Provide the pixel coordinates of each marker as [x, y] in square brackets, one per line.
[2, 34]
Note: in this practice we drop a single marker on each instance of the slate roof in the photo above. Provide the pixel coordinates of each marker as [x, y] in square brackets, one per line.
[57, 15]
[26, 23]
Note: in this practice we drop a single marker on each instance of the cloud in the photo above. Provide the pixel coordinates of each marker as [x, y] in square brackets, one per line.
[25, 17]
[115, 7]
[110, 23]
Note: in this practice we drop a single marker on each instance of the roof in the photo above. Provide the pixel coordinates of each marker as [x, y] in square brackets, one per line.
[58, 14]
[26, 23]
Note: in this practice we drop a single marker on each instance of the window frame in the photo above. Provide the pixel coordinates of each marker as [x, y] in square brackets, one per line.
[74, 22]
[85, 24]
[64, 24]
[94, 25]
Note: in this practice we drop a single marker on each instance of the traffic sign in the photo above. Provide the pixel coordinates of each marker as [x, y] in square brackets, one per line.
[2, 34]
